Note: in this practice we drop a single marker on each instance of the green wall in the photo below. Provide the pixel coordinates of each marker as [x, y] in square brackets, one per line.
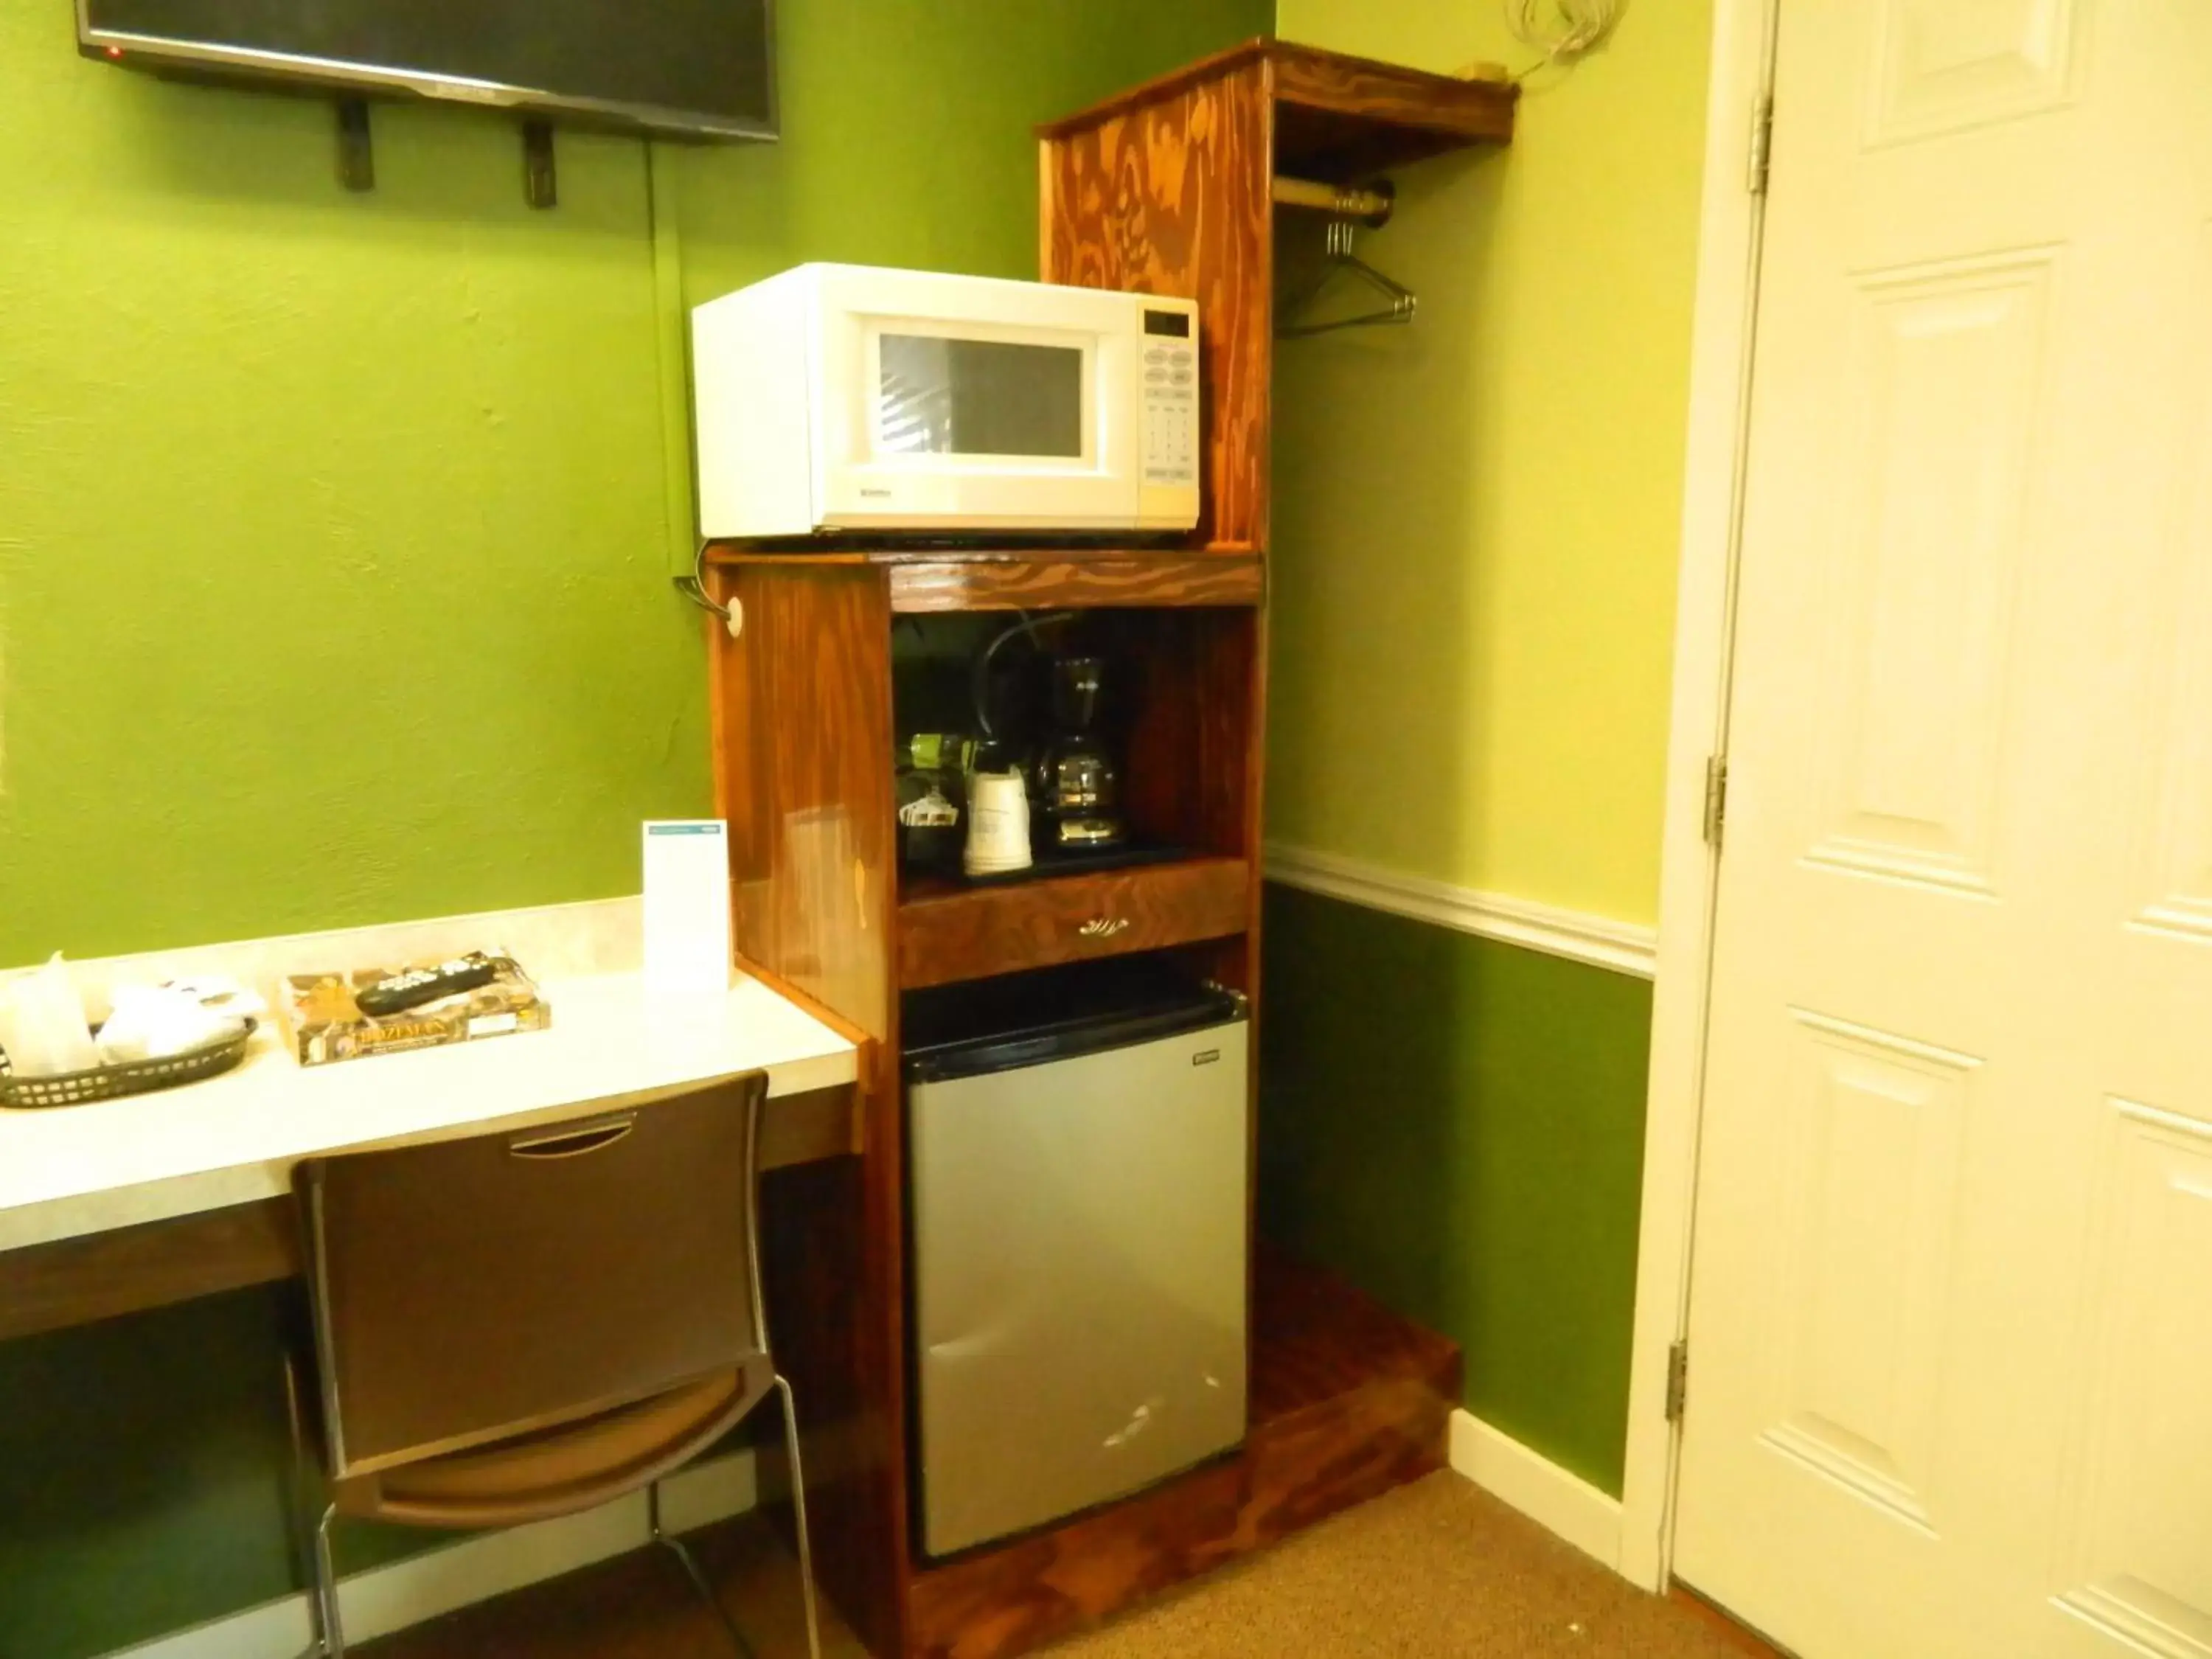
[143, 1476]
[1457, 1124]
[1478, 517]
[1477, 529]
[333, 526]
[333, 582]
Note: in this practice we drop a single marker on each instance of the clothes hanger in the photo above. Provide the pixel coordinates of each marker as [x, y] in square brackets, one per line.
[1340, 258]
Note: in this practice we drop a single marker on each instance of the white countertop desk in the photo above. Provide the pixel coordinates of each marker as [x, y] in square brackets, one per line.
[127, 1204]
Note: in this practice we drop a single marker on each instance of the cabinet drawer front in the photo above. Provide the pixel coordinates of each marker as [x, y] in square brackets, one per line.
[1001, 930]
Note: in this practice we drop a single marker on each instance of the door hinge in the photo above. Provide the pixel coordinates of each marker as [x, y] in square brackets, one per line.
[1762, 143]
[1678, 1379]
[1715, 798]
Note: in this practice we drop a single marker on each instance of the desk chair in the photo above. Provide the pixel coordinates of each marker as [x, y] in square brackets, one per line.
[515, 1325]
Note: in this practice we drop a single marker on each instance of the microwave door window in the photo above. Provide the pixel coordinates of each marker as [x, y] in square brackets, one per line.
[943, 396]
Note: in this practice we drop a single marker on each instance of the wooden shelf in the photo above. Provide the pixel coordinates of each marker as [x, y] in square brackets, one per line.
[1343, 120]
[948, 932]
[1337, 119]
[1348, 1401]
[1317, 1338]
[926, 580]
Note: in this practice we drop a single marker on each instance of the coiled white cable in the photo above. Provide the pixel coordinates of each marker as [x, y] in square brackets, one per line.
[1563, 30]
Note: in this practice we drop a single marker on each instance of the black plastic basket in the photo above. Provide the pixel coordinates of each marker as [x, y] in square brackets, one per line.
[130, 1076]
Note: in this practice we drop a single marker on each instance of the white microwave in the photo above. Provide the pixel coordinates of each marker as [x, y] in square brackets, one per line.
[846, 398]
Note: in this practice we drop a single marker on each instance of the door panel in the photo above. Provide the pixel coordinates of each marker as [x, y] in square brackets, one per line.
[2136, 1566]
[1949, 1329]
[1942, 374]
[1948, 65]
[1874, 1174]
[2179, 842]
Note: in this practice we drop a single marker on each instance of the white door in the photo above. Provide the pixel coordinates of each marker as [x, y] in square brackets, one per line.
[1950, 1375]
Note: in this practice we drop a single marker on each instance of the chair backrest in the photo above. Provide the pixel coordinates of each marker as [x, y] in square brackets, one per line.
[468, 1290]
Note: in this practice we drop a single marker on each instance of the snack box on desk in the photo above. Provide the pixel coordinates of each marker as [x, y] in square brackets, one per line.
[326, 1023]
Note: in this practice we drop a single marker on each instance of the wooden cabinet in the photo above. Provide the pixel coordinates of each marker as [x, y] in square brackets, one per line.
[948, 933]
[804, 719]
[1166, 189]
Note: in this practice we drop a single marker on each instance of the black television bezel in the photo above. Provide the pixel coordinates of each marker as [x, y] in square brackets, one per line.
[202, 59]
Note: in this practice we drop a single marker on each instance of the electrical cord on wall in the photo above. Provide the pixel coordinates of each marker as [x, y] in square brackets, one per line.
[694, 588]
[1563, 31]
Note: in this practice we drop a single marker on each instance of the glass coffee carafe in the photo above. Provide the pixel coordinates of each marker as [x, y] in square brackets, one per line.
[1075, 787]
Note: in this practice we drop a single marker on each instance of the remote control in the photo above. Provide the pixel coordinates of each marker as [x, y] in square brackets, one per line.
[417, 986]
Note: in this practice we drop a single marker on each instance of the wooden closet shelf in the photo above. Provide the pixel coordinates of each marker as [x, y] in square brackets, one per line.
[1337, 119]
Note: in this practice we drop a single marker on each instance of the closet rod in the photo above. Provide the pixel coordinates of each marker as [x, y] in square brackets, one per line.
[1371, 205]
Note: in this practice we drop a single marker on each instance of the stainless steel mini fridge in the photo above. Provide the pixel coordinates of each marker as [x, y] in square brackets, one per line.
[1077, 1150]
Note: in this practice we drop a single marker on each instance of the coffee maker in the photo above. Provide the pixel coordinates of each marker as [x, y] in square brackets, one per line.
[1075, 790]
[1073, 783]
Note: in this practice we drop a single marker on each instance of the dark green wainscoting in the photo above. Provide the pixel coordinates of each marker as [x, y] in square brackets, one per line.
[142, 1478]
[145, 1478]
[1457, 1125]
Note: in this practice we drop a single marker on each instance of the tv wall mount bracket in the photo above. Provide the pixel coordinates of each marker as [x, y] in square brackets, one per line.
[357, 155]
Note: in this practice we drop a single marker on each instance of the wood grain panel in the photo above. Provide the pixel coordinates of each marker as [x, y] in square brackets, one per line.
[948, 934]
[1171, 194]
[75, 1281]
[1048, 584]
[1342, 118]
[807, 1127]
[1189, 777]
[818, 1280]
[827, 552]
[1245, 976]
[1377, 1428]
[1339, 118]
[1317, 1337]
[802, 734]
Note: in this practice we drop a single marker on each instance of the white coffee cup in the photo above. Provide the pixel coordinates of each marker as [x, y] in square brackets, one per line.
[997, 824]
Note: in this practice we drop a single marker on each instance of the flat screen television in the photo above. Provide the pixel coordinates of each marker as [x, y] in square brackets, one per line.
[699, 68]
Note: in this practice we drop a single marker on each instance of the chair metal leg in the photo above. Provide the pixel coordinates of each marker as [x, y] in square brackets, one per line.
[677, 1547]
[332, 1632]
[799, 1514]
[328, 1633]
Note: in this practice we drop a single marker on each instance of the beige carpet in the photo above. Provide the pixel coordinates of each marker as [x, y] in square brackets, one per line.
[1438, 1568]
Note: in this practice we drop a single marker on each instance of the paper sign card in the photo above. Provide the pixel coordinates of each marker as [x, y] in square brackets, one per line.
[687, 904]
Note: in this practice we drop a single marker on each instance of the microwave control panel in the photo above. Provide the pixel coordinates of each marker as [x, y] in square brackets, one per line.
[1170, 370]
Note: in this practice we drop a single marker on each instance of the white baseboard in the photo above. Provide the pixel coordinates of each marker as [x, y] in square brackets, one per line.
[1539, 1488]
[1626, 947]
[389, 1598]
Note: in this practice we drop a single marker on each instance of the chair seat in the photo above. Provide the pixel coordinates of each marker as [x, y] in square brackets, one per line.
[560, 1470]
